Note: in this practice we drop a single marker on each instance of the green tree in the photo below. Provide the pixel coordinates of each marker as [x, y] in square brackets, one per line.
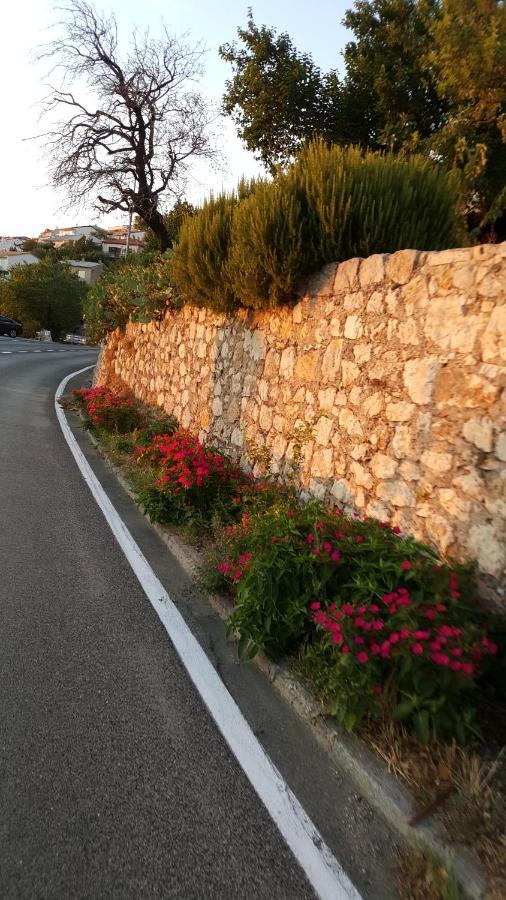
[44, 295]
[390, 94]
[277, 97]
[469, 56]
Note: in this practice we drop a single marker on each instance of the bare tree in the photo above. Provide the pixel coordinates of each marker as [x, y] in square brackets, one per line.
[131, 144]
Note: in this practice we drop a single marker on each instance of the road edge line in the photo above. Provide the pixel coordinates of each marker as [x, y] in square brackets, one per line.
[322, 869]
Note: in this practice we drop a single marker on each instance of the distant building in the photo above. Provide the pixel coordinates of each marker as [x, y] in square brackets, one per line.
[116, 247]
[59, 236]
[9, 243]
[9, 259]
[88, 271]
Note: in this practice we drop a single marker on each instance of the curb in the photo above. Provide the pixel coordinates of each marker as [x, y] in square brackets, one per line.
[391, 799]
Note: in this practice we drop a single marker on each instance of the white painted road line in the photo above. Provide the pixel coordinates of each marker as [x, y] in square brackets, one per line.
[328, 879]
[5, 351]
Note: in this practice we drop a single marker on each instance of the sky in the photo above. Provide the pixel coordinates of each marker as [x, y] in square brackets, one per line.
[28, 203]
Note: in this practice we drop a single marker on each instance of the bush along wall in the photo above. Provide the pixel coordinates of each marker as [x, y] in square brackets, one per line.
[255, 248]
[383, 628]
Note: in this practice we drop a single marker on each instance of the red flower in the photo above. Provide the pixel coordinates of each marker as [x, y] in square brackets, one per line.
[405, 564]
[362, 657]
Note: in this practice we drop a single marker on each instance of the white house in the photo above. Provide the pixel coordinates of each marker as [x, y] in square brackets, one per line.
[11, 243]
[59, 236]
[116, 247]
[9, 259]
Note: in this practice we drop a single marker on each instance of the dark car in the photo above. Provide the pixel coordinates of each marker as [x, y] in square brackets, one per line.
[10, 326]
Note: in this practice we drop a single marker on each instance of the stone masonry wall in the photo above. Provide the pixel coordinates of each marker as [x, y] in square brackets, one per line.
[397, 362]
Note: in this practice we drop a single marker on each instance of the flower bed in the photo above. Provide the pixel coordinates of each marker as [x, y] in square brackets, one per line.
[381, 626]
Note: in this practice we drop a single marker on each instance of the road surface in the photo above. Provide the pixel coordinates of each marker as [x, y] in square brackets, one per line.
[114, 780]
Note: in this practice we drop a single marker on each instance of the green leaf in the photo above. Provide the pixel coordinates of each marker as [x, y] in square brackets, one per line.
[403, 709]
[421, 723]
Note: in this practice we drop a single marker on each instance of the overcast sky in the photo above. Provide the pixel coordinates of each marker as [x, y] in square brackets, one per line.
[27, 202]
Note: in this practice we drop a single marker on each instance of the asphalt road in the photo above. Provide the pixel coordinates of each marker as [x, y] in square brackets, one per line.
[114, 781]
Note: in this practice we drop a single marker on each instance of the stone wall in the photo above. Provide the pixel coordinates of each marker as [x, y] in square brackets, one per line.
[397, 362]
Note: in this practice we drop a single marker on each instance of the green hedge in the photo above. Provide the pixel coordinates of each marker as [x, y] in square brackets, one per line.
[255, 248]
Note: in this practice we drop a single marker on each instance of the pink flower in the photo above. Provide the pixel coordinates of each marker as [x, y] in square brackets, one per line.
[467, 668]
[337, 638]
[310, 539]
[375, 648]
[374, 608]
[315, 551]
[315, 605]
[320, 617]
[345, 648]
[421, 635]
[377, 689]
[455, 665]
[377, 625]
[394, 637]
[440, 607]
[335, 556]
[405, 564]
[327, 547]
[362, 657]
[348, 609]
[492, 648]
[359, 622]
[359, 640]
[441, 659]
[359, 538]
[319, 524]
[417, 649]
[396, 529]
[403, 634]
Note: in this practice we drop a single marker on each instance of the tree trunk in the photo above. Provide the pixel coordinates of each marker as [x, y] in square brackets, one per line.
[155, 221]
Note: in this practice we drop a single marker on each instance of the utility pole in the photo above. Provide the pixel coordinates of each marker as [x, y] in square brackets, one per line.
[127, 249]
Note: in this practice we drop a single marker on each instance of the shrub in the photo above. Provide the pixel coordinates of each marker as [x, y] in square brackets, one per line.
[107, 409]
[383, 626]
[333, 203]
[192, 481]
[199, 266]
[137, 289]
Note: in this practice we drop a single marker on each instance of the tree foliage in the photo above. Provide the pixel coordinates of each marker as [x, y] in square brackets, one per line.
[278, 97]
[421, 75]
[138, 289]
[131, 122]
[44, 295]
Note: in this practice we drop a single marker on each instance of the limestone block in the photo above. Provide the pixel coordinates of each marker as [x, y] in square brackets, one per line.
[396, 493]
[419, 376]
[493, 340]
[456, 506]
[400, 265]
[372, 270]
[353, 327]
[350, 372]
[399, 412]
[500, 447]
[306, 366]
[383, 466]
[322, 430]
[409, 471]
[265, 418]
[440, 531]
[355, 395]
[488, 547]
[448, 327]
[349, 422]
[472, 484]
[321, 464]
[257, 345]
[272, 363]
[353, 301]
[341, 491]
[361, 476]
[373, 405]
[331, 362]
[375, 304]
[446, 257]
[439, 463]
[479, 433]
[362, 353]
[326, 398]
[347, 276]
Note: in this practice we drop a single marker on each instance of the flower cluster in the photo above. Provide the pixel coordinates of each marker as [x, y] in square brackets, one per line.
[407, 648]
[104, 408]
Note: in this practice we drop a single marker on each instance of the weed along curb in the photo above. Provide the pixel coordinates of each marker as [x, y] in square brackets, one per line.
[393, 801]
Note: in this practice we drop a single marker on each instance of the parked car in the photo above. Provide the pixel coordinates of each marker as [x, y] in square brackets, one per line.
[74, 339]
[44, 335]
[10, 326]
